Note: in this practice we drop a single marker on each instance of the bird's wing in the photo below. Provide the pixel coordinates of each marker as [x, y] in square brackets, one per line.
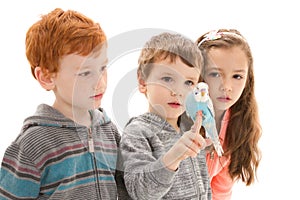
[212, 133]
[211, 107]
[190, 105]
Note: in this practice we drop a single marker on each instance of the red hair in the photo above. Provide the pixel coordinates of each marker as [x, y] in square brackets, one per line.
[60, 33]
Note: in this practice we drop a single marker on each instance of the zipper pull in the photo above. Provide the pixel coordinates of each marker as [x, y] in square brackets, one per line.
[90, 141]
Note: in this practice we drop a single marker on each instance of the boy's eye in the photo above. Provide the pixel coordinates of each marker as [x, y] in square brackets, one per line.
[189, 83]
[214, 74]
[167, 79]
[103, 68]
[84, 73]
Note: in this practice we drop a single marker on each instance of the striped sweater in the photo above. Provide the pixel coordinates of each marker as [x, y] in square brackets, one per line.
[55, 158]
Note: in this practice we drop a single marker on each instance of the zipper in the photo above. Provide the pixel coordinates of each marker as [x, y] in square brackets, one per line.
[92, 151]
[199, 181]
[198, 184]
[90, 141]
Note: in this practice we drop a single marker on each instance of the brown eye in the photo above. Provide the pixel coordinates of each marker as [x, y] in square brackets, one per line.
[237, 76]
[103, 68]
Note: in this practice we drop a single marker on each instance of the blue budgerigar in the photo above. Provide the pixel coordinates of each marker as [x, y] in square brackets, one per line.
[198, 103]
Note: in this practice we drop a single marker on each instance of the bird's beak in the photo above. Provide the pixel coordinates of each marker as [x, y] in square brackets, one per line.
[202, 93]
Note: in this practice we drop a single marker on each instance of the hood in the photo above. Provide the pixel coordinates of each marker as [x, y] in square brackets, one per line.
[46, 115]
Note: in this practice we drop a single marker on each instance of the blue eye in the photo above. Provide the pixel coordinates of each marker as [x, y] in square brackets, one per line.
[189, 83]
[167, 79]
[214, 74]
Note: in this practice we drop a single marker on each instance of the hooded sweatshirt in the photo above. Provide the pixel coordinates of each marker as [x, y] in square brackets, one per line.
[55, 158]
[144, 142]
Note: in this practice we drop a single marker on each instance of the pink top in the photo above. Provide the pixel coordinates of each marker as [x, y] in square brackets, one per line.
[221, 182]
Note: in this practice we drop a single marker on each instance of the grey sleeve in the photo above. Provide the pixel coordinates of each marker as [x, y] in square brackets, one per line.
[145, 175]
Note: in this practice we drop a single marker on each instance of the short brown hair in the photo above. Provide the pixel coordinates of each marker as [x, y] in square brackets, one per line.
[168, 46]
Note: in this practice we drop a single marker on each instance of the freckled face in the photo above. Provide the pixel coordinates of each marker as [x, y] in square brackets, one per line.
[226, 75]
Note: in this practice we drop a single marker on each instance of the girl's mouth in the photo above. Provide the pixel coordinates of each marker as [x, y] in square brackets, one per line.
[224, 99]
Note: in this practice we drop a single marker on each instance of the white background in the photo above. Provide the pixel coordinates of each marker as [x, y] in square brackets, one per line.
[271, 28]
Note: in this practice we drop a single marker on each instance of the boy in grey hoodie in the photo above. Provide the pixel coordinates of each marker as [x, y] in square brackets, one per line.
[158, 159]
[67, 150]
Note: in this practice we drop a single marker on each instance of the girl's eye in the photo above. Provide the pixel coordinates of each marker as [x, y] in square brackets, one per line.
[189, 83]
[237, 76]
[167, 79]
[84, 73]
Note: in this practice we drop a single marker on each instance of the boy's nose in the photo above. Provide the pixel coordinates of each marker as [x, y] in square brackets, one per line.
[175, 93]
[101, 82]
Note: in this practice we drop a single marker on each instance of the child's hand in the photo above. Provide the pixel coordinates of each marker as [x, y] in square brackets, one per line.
[189, 145]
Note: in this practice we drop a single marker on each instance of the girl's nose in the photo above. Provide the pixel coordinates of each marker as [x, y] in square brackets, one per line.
[225, 86]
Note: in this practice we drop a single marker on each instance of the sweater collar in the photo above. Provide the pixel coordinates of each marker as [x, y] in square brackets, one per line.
[46, 115]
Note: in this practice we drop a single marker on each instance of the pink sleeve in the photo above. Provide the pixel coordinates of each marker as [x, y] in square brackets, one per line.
[221, 185]
[221, 182]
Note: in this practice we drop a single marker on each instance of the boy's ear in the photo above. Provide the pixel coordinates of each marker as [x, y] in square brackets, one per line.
[142, 85]
[45, 80]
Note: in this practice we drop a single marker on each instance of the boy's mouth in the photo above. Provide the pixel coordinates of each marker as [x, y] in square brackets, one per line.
[97, 96]
[174, 104]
